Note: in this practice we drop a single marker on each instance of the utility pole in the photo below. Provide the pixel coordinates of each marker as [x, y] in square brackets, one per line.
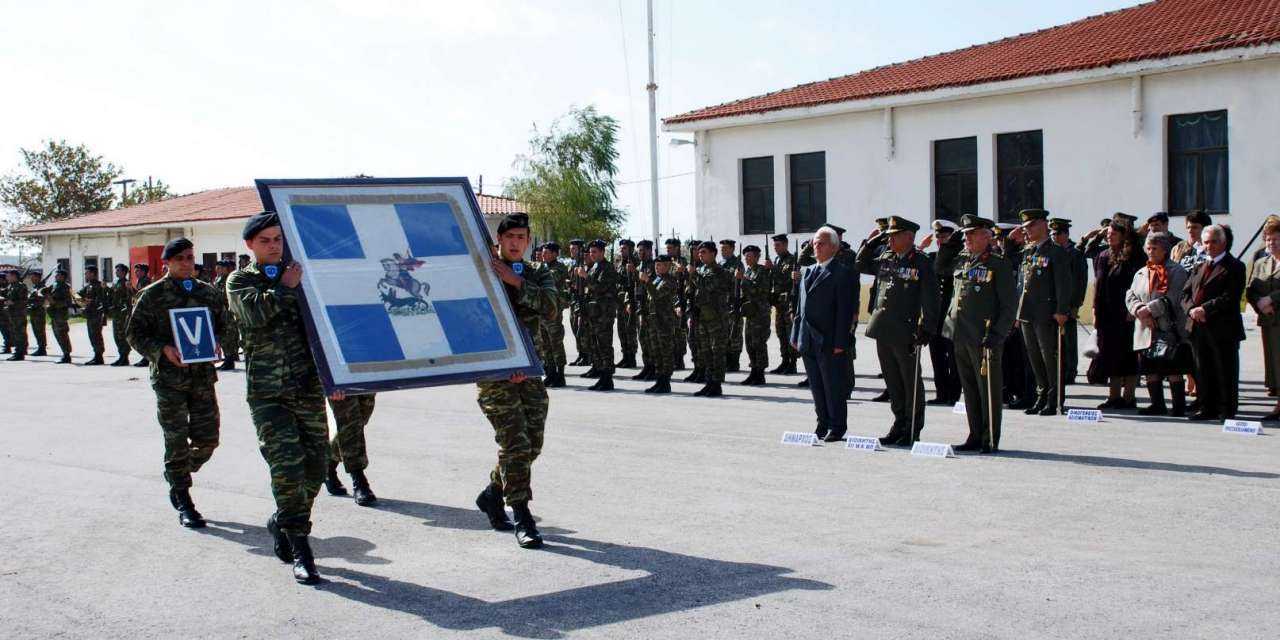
[652, 88]
[124, 185]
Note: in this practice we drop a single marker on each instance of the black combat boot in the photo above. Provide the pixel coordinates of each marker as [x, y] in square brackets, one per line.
[95, 361]
[490, 503]
[17, 356]
[751, 380]
[526, 529]
[142, 363]
[780, 369]
[883, 397]
[1040, 403]
[187, 514]
[66, 359]
[697, 375]
[581, 360]
[605, 383]
[122, 361]
[804, 382]
[1157, 408]
[628, 361]
[591, 373]
[7, 349]
[228, 364]
[279, 541]
[731, 364]
[332, 483]
[791, 367]
[662, 385]
[304, 562]
[1179, 391]
[646, 373]
[713, 390]
[360, 488]
[40, 351]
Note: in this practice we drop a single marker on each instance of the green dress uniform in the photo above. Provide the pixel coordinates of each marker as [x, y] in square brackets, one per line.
[121, 305]
[601, 295]
[755, 289]
[712, 287]
[15, 307]
[978, 320]
[186, 402]
[784, 265]
[1264, 282]
[94, 300]
[286, 400]
[903, 319]
[625, 311]
[661, 293]
[36, 317]
[1046, 290]
[231, 337]
[59, 307]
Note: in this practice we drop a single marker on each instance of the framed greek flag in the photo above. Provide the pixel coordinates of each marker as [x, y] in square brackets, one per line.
[397, 283]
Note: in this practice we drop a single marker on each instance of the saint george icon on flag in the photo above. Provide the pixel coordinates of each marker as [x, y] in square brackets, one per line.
[397, 282]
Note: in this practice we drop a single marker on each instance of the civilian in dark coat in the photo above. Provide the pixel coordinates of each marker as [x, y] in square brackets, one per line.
[1116, 267]
[822, 332]
[1212, 301]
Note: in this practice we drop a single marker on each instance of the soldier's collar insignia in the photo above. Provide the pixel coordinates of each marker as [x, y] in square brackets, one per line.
[271, 270]
[518, 267]
[188, 284]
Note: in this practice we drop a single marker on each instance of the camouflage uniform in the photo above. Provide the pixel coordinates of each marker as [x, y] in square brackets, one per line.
[94, 299]
[16, 310]
[59, 301]
[680, 339]
[755, 287]
[551, 333]
[641, 311]
[690, 319]
[121, 304]
[783, 266]
[186, 403]
[36, 317]
[350, 414]
[231, 336]
[601, 295]
[628, 325]
[732, 347]
[660, 318]
[711, 286]
[4, 316]
[518, 411]
[286, 400]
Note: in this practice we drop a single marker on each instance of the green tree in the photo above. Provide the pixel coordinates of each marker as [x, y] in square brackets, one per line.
[567, 178]
[58, 181]
[141, 193]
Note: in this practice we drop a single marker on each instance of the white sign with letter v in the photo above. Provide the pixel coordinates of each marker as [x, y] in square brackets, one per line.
[193, 334]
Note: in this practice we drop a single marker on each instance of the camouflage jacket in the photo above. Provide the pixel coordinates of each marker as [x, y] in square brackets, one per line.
[755, 288]
[626, 290]
[710, 287]
[278, 357]
[661, 294]
[150, 330]
[35, 300]
[59, 297]
[537, 301]
[783, 266]
[15, 299]
[559, 274]
[123, 296]
[601, 291]
[94, 298]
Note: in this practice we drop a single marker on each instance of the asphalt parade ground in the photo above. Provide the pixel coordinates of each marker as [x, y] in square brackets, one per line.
[665, 517]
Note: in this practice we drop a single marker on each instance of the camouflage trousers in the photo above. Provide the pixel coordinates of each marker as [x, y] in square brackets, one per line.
[757, 339]
[551, 342]
[231, 340]
[680, 339]
[518, 413]
[712, 338]
[61, 330]
[119, 325]
[734, 339]
[36, 318]
[94, 326]
[4, 328]
[662, 349]
[350, 415]
[18, 330]
[628, 331]
[646, 339]
[692, 336]
[602, 343]
[578, 327]
[782, 329]
[187, 410]
[293, 436]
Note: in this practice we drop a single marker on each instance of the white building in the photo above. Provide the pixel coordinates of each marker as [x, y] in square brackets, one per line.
[1168, 106]
[212, 220]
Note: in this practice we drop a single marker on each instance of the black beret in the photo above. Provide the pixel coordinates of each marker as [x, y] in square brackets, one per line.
[626, 242]
[578, 243]
[513, 221]
[664, 258]
[672, 242]
[708, 245]
[694, 243]
[226, 263]
[60, 272]
[729, 241]
[144, 267]
[598, 244]
[552, 246]
[122, 267]
[90, 267]
[258, 223]
[1159, 215]
[645, 243]
[781, 237]
[751, 248]
[174, 247]
[1199, 217]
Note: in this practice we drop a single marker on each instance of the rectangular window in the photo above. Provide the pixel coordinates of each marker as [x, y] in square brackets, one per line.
[1198, 163]
[1019, 173]
[808, 191]
[92, 261]
[228, 255]
[209, 260]
[107, 271]
[64, 265]
[757, 195]
[955, 178]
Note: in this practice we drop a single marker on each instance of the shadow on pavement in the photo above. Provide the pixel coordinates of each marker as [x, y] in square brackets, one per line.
[435, 515]
[1126, 463]
[674, 582]
[258, 541]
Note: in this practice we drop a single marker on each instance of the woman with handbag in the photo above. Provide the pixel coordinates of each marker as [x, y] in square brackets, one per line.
[1263, 294]
[1159, 335]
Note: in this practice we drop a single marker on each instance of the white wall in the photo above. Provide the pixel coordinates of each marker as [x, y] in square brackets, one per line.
[214, 237]
[1093, 163]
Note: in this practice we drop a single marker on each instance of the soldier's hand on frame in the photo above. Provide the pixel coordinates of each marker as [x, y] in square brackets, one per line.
[292, 275]
[1061, 318]
[338, 396]
[517, 377]
[171, 354]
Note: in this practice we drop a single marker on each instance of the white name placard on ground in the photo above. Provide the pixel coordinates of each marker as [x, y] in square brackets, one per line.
[862, 443]
[932, 450]
[1084, 415]
[800, 439]
[959, 409]
[1242, 427]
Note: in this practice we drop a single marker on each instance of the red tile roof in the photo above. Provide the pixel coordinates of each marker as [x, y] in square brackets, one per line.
[1158, 29]
[214, 204]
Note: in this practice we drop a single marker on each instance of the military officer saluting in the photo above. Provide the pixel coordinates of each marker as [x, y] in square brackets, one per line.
[1044, 307]
[187, 405]
[903, 319]
[978, 320]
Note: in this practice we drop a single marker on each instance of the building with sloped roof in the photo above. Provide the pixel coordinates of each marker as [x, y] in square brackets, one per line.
[1166, 106]
[211, 219]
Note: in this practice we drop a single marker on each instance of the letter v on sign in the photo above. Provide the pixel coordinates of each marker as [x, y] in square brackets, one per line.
[193, 336]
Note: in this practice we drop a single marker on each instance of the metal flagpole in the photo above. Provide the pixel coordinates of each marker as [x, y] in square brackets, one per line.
[652, 88]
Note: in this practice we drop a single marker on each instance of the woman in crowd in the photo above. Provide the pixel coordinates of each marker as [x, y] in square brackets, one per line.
[1263, 294]
[1115, 268]
[1159, 333]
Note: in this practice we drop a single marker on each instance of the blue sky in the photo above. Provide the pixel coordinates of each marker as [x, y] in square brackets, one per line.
[207, 95]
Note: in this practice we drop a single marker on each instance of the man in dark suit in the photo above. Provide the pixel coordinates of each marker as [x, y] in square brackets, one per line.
[1212, 302]
[826, 296]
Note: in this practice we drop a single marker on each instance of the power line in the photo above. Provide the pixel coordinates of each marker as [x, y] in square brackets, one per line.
[674, 175]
